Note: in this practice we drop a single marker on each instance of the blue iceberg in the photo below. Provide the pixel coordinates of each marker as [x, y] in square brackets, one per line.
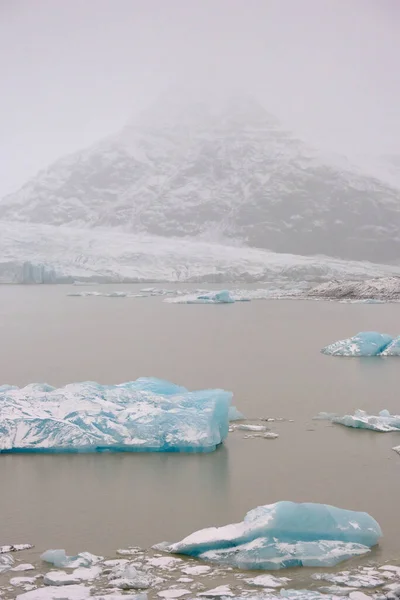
[59, 559]
[221, 297]
[146, 415]
[382, 422]
[284, 534]
[365, 343]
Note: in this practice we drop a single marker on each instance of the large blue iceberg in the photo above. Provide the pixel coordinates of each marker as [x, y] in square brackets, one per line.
[146, 415]
[382, 422]
[284, 534]
[365, 343]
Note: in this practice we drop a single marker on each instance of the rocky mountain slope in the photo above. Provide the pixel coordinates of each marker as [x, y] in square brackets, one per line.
[233, 172]
[380, 288]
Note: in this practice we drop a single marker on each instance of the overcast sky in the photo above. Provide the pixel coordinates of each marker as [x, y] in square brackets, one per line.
[73, 71]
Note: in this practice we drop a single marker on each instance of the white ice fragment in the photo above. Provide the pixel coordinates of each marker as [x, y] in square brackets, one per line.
[68, 592]
[392, 568]
[129, 551]
[15, 548]
[184, 580]
[268, 581]
[22, 581]
[6, 562]
[197, 570]
[59, 559]
[164, 562]
[173, 593]
[359, 596]
[87, 573]
[249, 427]
[357, 579]
[222, 590]
[118, 562]
[23, 567]
[60, 578]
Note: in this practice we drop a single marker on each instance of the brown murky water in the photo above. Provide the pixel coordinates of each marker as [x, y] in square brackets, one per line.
[266, 352]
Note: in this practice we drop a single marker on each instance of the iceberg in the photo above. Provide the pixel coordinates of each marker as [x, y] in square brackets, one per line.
[365, 343]
[393, 349]
[382, 422]
[59, 559]
[284, 534]
[212, 297]
[146, 415]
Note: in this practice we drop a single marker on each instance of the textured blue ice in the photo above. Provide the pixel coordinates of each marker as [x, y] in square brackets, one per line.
[285, 534]
[383, 422]
[393, 349]
[365, 343]
[221, 297]
[60, 559]
[146, 415]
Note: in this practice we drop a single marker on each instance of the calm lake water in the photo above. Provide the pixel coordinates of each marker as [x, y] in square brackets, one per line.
[266, 352]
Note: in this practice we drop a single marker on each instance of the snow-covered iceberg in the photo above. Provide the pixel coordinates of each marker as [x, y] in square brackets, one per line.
[284, 534]
[148, 415]
[365, 343]
[382, 422]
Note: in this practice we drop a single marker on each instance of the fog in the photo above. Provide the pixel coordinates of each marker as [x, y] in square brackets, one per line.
[73, 71]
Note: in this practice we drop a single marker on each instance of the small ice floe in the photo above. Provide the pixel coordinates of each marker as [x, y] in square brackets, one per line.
[356, 579]
[132, 550]
[23, 567]
[67, 592]
[23, 581]
[128, 577]
[164, 562]
[383, 422]
[268, 581]
[59, 559]
[268, 435]
[173, 593]
[15, 548]
[6, 562]
[220, 591]
[249, 427]
[197, 570]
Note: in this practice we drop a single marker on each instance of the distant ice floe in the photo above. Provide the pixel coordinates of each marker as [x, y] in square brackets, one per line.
[284, 535]
[383, 422]
[146, 415]
[365, 343]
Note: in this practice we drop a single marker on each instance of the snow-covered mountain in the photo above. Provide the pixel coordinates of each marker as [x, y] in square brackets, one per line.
[234, 172]
[32, 253]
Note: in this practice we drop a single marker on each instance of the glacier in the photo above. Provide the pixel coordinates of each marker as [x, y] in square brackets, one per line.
[382, 422]
[146, 415]
[376, 289]
[365, 343]
[36, 253]
[282, 535]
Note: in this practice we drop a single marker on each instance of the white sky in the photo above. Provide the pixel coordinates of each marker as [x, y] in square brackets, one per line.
[72, 71]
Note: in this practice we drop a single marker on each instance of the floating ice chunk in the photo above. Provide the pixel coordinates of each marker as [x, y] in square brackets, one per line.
[6, 562]
[173, 593]
[129, 578]
[393, 349]
[337, 590]
[268, 581]
[22, 581]
[357, 579]
[396, 449]
[365, 343]
[23, 567]
[221, 590]
[129, 551]
[59, 559]
[143, 415]
[382, 422]
[197, 570]
[14, 547]
[304, 595]
[164, 562]
[395, 570]
[359, 596]
[268, 435]
[68, 592]
[284, 534]
[248, 427]
[60, 578]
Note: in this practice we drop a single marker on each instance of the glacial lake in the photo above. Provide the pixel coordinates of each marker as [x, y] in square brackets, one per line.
[266, 352]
